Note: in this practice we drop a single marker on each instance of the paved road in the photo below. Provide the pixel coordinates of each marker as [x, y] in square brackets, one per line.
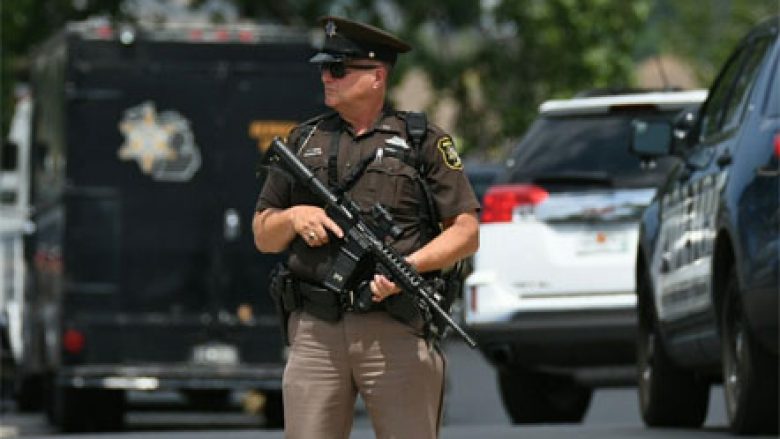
[473, 411]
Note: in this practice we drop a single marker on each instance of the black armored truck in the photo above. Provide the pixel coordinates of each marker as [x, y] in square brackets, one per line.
[141, 273]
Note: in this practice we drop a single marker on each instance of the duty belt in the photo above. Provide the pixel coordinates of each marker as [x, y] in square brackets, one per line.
[321, 302]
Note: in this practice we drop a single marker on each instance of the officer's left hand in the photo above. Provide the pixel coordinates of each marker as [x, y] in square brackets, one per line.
[382, 287]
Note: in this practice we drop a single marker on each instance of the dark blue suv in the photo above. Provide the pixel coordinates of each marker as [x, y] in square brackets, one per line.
[707, 260]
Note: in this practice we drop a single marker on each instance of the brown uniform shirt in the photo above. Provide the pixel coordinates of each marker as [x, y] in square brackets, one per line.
[387, 180]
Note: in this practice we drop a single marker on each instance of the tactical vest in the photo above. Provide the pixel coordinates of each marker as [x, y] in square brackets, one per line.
[403, 307]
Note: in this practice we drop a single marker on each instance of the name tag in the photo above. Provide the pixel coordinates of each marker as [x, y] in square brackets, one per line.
[312, 152]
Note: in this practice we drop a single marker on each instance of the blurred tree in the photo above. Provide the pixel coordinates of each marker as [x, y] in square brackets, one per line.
[529, 51]
[498, 59]
[706, 32]
[25, 23]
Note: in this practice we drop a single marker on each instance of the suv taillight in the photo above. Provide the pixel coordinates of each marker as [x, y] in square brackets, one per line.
[501, 200]
[777, 145]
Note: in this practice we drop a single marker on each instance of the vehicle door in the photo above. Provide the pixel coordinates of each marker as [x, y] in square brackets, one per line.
[756, 195]
[689, 210]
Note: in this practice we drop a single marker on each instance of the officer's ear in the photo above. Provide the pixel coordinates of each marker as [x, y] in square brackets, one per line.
[381, 74]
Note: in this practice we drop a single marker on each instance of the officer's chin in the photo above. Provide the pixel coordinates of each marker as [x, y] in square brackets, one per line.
[332, 102]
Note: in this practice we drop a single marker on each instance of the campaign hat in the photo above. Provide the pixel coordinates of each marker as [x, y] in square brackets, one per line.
[347, 39]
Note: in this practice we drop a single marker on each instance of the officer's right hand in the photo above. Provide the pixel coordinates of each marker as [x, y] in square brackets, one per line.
[313, 224]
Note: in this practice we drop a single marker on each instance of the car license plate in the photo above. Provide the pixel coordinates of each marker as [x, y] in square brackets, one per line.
[215, 353]
[602, 242]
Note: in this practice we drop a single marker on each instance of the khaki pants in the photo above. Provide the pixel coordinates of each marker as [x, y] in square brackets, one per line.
[400, 379]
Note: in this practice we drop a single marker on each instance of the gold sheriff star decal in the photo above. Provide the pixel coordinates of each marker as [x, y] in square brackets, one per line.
[147, 140]
[162, 144]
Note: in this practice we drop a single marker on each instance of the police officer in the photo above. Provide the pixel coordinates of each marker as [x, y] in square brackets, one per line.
[362, 148]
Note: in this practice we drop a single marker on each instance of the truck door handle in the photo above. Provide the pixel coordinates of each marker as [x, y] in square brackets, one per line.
[724, 159]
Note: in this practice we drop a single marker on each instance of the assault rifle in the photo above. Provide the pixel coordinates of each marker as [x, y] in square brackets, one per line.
[364, 237]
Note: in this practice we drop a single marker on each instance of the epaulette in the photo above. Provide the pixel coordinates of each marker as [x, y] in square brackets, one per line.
[305, 129]
[317, 119]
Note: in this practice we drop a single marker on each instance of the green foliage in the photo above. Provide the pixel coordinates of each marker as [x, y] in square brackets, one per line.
[705, 32]
[498, 59]
[26, 23]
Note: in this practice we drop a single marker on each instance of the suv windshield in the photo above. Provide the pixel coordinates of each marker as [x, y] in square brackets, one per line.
[577, 150]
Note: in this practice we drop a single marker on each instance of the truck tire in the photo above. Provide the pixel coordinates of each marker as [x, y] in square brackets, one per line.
[8, 371]
[274, 410]
[669, 396]
[749, 372]
[84, 410]
[536, 397]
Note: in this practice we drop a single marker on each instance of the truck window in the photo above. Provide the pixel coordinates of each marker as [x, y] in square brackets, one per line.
[9, 156]
[587, 145]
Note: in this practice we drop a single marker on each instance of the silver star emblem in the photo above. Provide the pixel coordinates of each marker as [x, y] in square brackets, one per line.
[330, 28]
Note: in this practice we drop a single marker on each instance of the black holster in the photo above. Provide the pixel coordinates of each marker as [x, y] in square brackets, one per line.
[283, 297]
[318, 301]
[289, 294]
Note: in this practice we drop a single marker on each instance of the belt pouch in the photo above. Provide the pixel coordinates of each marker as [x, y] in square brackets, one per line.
[321, 303]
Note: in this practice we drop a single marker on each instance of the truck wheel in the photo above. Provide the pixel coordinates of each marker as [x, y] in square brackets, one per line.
[274, 409]
[8, 372]
[669, 396]
[536, 397]
[81, 410]
[749, 372]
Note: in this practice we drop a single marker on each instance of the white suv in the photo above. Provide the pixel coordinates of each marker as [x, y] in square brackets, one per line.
[551, 300]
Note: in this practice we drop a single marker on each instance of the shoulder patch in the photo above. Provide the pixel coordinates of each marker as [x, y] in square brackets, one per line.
[448, 152]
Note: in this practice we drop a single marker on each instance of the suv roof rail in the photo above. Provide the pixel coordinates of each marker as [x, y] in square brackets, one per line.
[616, 91]
[664, 100]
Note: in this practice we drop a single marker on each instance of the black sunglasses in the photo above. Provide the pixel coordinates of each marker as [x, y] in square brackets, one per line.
[338, 70]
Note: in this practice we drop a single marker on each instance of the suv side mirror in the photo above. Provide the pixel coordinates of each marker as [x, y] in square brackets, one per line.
[651, 138]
